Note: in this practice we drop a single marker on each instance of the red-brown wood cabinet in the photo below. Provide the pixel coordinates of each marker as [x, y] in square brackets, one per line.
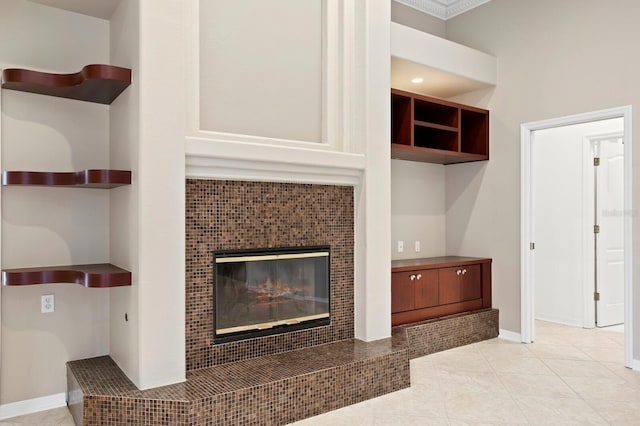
[437, 131]
[429, 288]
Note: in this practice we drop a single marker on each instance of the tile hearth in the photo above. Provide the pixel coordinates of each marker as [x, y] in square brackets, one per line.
[276, 389]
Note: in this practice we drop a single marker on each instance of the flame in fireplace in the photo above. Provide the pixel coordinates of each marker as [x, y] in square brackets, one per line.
[270, 289]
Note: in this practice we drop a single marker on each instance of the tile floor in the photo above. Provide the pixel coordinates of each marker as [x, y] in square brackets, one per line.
[570, 376]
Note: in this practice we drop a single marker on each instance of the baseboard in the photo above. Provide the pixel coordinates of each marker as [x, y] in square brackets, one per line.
[562, 321]
[28, 406]
[510, 335]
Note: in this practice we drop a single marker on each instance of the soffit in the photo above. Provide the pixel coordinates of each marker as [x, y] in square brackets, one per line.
[102, 9]
[443, 9]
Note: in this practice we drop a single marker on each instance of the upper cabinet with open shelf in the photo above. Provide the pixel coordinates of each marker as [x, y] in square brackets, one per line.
[436, 131]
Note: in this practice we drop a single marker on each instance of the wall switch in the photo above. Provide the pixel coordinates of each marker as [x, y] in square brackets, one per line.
[417, 246]
[47, 303]
[400, 246]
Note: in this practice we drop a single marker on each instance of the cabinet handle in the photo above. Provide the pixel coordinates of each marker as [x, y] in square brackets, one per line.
[419, 276]
[412, 277]
[458, 272]
[464, 271]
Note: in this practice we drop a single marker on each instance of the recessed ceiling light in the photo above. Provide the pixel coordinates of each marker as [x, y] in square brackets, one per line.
[417, 80]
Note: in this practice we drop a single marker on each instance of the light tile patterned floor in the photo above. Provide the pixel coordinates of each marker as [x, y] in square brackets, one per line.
[570, 376]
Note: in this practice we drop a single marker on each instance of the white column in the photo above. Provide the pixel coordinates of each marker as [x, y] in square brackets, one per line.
[161, 295]
[372, 113]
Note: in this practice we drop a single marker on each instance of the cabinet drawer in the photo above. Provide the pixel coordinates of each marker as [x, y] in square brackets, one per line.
[460, 283]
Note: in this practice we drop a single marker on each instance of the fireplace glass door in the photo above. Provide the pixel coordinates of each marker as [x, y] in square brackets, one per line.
[270, 291]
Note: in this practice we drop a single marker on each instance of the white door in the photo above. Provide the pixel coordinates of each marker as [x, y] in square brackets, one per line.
[610, 238]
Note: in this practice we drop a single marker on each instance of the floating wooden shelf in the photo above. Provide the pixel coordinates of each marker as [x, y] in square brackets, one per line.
[91, 276]
[94, 83]
[100, 178]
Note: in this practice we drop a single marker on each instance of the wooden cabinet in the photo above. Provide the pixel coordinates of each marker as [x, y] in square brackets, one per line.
[428, 288]
[437, 131]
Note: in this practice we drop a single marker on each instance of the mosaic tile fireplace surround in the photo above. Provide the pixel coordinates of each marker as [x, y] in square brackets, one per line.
[272, 379]
[238, 215]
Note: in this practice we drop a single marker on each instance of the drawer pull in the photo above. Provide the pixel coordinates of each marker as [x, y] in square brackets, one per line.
[458, 272]
[464, 271]
[419, 276]
[412, 277]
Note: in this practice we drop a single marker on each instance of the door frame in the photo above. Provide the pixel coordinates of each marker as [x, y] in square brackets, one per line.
[527, 231]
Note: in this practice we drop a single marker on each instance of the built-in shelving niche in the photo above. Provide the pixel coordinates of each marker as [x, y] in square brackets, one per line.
[94, 83]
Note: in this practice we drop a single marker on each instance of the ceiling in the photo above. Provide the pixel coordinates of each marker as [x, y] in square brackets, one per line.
[443, 9]
[99, 8]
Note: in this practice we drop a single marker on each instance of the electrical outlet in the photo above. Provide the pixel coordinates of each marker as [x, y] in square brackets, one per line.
[417, 246]
[400, 246]
[47, 303]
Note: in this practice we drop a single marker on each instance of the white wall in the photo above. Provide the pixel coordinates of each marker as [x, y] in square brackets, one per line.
[554, 59]
[417, 209]
[48, 226]
[405, 15]
[563, 178]
[255, 77]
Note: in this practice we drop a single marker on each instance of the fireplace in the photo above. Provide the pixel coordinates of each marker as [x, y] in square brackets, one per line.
[270, 291]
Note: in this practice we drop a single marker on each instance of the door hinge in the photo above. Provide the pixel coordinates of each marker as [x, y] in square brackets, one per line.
[532, 246]
[596, 161]
[596, 229]
[596, 296]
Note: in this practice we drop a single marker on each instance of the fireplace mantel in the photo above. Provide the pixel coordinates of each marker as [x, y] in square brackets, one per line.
[216, 159]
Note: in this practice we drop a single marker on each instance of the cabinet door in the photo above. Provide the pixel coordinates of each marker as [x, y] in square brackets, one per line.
[470, 283]
[426, 289]
[402, 291]
[449, 285]
[460, 283]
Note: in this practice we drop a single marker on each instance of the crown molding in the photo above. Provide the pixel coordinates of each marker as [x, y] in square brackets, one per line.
[443, 9]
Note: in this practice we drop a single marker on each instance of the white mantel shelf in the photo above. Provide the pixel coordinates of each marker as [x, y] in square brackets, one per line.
[215, 159]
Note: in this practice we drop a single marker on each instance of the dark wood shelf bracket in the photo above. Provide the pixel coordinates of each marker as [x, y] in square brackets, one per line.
[94, 83]
[92, 178]
[91, 276]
